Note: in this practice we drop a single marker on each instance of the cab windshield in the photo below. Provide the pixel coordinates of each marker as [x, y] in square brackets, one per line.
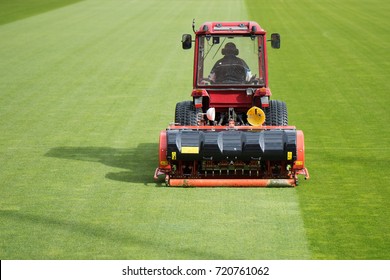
[225, 60]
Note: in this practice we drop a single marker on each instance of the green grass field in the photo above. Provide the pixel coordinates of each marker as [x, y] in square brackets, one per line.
[86, 86]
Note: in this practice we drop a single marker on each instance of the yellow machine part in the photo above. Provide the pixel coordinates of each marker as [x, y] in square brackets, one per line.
[255, 116]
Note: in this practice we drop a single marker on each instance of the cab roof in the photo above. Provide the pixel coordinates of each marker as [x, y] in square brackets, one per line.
[230, 27]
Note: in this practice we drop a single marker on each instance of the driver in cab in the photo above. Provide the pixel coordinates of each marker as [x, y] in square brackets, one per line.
[230, 69]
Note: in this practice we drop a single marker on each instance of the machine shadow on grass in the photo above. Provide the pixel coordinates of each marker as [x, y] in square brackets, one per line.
[139, 163]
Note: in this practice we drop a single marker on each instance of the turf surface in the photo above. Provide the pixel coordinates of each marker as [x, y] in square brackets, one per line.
[332, 71]
[85, 89]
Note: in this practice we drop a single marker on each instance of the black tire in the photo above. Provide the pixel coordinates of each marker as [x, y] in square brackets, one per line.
[186, 113]
[276, 114]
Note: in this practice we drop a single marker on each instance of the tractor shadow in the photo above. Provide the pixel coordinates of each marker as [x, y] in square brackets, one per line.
[138, 163]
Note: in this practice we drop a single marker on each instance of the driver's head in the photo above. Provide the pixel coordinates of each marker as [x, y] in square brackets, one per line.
[230, 49]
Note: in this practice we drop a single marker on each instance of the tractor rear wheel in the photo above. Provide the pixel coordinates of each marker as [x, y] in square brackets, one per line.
[276, 113]
[186, 113]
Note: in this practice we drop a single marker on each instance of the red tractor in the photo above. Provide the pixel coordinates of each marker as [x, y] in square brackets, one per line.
[231, 133]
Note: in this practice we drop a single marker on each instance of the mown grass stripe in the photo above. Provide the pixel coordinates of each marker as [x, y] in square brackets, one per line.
[12, 10]
[331, 71]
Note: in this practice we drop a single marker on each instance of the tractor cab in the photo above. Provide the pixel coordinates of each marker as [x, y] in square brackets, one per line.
[228, 60]
[230, 54]
[230, 69]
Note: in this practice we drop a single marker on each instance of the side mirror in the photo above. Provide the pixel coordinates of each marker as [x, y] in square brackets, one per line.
[186, 41]
[275, 40]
